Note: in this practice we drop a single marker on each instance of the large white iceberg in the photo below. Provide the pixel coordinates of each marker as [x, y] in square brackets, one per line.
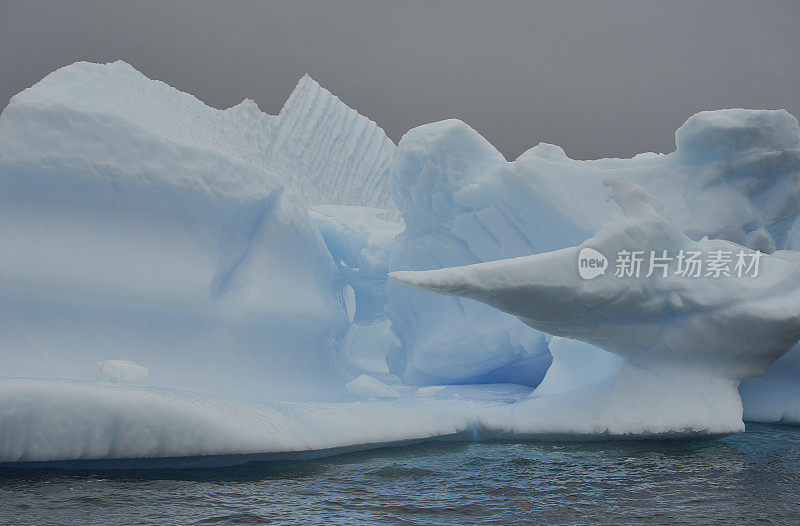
[243, 258]
[683, 344]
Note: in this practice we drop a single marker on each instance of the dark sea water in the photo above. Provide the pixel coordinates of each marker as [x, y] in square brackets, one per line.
[750, 478]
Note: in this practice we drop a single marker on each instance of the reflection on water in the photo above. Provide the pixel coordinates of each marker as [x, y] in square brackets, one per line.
[750, 477]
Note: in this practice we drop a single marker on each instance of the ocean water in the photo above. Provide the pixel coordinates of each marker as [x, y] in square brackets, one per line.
[753, 477]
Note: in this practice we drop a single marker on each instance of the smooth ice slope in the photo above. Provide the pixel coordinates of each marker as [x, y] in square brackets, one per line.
[139, 222]
[685, 342]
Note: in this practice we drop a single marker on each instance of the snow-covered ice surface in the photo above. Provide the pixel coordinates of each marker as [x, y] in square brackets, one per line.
[242, 258]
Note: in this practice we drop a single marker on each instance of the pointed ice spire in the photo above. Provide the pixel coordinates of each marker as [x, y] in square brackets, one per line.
[337, 155]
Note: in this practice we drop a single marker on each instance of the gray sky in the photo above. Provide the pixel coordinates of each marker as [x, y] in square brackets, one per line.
[600, 78]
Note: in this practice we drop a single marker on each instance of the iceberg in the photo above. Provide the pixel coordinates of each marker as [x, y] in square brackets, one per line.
[239, 262]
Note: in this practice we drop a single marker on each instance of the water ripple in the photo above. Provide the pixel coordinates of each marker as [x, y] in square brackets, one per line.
[753, 477]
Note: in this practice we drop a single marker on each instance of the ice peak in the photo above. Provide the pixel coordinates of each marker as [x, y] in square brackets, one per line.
[545, 150]
[737, 132]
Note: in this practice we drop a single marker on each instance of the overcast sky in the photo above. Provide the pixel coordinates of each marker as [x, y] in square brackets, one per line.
[600, 78]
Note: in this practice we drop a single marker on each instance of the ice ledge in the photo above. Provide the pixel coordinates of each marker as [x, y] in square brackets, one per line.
[83, 425]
